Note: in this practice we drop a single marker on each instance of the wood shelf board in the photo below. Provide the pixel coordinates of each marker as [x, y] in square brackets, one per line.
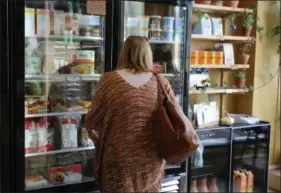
[220, 9]
[228, 67]
[218, 91]
[219, 38]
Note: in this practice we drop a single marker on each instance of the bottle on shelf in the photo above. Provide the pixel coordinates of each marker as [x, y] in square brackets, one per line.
[68, 32]
[193, 187]
[203, 185]
[213, 185]
[75, 20]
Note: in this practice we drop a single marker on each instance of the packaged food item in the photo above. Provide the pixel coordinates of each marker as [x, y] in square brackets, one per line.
[31, 137]
[69, 132]
[202, 187]
[168, 23]
[45, 136]
[59, 23]
[36, 181]
[168, 35]
[228, 52]
[144, 32]
[29, 21]
[217, 28]
[193, 187]
[219, 58]
[155, 22]
[155, 34]
[66, 174]
[211, 57]
[204, 26]
[84, 62]
[213, 185]
[84, 138]
[194, 56]
[144, 21]
[250, 181]
[202, 57]
[240, 182]
[43, 22]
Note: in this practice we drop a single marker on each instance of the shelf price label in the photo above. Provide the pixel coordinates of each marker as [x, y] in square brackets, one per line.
[228, 91]
[96, 7]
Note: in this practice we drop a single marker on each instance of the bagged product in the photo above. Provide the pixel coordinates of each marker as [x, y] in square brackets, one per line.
[31, 137]
[69, 132]
[250, 181]
[45, 136]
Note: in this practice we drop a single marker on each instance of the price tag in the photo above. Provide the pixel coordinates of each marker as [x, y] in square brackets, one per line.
[233, 67]
[96, 7]
[221, 37]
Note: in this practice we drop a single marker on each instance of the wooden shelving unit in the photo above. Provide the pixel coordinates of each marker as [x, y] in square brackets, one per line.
[217, 91]
[219, 9]
[219, 38]
[226, 67]
[222, 75]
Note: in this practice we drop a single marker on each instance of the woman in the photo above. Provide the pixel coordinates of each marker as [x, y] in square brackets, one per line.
[119, 122]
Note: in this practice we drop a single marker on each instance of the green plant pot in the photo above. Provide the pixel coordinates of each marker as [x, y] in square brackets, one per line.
[247, 30]
[233, 4]
[244, 58]
[205, 2]
[240, 82]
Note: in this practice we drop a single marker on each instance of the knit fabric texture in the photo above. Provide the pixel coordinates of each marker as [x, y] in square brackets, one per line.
[130, 162]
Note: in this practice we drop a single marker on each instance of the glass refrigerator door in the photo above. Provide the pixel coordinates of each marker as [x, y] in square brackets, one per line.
[250, 156]
[164, 26]
[64, 58]
[209, 165]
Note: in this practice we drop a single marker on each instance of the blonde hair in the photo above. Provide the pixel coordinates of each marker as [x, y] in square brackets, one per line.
[136, 55]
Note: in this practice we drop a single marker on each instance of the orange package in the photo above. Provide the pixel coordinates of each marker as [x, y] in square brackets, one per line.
[219, 58]
[250, 181]
[194, 58]
[202, 57]
[240, 182]
[211, 57]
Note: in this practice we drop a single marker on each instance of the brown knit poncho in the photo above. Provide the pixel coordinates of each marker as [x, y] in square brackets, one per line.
[129, 159]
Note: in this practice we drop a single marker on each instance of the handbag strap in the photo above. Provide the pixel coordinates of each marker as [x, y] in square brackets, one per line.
[161, 88]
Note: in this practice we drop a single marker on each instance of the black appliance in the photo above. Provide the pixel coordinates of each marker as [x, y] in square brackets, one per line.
[225, 150]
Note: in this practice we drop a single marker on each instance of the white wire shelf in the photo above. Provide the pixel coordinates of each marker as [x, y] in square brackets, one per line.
[59, 151]
[61, 77]
[61, 38]
[56, 114]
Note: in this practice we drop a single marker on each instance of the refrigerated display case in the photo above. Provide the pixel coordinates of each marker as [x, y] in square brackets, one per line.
[166, 25]
[209, 165]
[56, 56]
[250, 156]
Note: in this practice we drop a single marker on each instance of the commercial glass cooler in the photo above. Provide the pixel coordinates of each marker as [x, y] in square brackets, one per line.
[57, 52]
[166, 25]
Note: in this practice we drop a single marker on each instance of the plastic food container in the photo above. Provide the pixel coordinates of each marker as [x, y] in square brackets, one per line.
[168, 35]
[218, 58]
[211, 57]
[144, 32]
[202, 57]
[155, 22]
[168, 23]
[144, 21]
[155, 34]
[194, 57]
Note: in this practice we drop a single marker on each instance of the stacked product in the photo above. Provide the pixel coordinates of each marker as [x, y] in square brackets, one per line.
[206, 57]
[204, 185]
[243, 181]
[46, 22]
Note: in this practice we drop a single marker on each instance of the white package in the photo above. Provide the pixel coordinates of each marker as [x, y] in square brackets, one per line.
[29, 19]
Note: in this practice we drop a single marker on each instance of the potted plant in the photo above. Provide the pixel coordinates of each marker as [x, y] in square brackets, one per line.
[230, 3]
[244, 57]
[248, 20]
[205, 2]
[240, 79]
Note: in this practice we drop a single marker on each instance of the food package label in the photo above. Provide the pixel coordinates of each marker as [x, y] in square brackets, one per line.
[250, 181]
[69, 133]
[63, 174]
[217, 28]
[43, 22]
[31, 137]
[45, 137]
[29, 25]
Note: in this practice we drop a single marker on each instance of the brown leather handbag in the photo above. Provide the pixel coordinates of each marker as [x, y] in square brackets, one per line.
[175, 136]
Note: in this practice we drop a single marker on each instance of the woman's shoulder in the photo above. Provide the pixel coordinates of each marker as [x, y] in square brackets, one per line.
[163, 79]
[107, 76]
